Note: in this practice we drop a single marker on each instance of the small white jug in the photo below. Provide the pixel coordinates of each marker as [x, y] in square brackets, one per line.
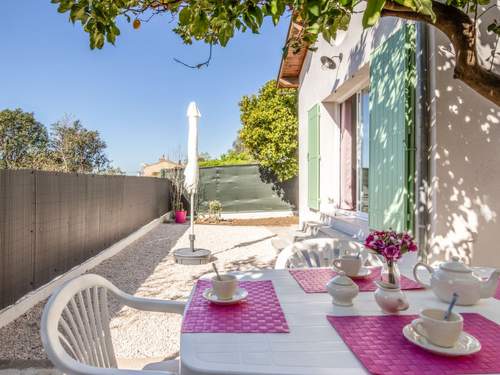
[390, 298]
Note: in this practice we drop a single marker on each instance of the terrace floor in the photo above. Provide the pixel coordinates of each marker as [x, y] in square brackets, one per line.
[147, 268]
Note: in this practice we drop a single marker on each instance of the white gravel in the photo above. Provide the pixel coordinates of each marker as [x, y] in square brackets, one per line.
[146, 268]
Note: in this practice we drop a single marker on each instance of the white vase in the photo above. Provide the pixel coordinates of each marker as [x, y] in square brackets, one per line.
[390, 273]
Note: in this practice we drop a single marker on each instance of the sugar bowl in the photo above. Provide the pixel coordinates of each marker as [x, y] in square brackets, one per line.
[342, 289]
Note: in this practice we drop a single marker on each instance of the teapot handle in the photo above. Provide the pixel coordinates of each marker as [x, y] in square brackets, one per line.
[415, 275]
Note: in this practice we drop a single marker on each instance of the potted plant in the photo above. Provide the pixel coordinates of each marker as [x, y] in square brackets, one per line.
[177, 188]
[390, 246]
[214, 210]
[180, 214]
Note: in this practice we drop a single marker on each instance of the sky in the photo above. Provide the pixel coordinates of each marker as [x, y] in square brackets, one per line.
[133, 93]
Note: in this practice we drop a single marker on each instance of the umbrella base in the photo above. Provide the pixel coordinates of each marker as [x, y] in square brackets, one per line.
[190, 257]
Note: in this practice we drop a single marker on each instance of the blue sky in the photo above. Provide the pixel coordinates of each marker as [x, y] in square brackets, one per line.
[134, 94]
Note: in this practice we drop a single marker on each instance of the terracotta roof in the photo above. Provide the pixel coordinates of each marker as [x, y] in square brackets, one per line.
[291, 64]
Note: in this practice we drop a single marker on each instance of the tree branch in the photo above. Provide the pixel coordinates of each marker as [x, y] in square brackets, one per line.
[459, 28]
[206, 63]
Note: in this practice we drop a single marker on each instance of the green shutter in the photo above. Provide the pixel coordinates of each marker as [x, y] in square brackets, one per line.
[392, 82]
[313, 158]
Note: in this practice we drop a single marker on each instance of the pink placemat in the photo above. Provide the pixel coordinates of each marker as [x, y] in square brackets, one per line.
[314, 280]
[378, 343]
[260, 313]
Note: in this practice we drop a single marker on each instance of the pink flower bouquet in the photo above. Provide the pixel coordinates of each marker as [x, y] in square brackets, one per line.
[390, 246]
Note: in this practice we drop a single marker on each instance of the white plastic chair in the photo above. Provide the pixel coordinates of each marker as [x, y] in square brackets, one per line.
[315, 252]
[320, 252]
[75, 327]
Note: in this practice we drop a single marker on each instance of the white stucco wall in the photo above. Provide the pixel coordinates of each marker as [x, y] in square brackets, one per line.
[317, 86]
[465, 137]
[465, 162]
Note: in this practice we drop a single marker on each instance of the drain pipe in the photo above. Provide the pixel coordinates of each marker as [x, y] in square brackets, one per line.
[423, 117]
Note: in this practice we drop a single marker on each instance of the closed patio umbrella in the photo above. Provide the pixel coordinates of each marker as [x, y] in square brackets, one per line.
[191, 173]
[191, 176]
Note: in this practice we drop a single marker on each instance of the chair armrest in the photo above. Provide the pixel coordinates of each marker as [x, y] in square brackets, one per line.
[83, 369]
[155, 305]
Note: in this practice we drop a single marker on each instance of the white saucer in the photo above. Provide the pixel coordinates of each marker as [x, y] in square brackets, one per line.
[363, 272]
[466, 344]
[239, 296]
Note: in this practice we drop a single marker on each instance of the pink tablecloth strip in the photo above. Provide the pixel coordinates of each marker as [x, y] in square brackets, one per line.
[314, 280]
[378, 343]
[260, 313]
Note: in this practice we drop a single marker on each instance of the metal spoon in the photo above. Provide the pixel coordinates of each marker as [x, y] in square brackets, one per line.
[216, 272]
[452, 303]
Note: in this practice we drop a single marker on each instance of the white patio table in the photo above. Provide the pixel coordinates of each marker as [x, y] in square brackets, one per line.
[312, 347]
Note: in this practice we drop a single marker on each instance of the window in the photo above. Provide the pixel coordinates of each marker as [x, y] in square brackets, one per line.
[363, 150]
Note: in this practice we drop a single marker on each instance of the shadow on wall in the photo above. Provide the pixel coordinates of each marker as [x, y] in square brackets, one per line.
[466, 185]
[358, 56]
[287, 190]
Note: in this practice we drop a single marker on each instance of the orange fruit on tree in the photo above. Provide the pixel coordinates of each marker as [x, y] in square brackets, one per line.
[136, 24]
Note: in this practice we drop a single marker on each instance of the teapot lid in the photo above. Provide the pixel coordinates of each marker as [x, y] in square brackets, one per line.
[341, 279]
[455, 265]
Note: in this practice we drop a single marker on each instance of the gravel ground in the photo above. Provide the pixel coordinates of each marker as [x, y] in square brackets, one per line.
[146, 268]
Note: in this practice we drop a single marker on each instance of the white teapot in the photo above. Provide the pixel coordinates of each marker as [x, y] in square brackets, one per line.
[455, 276]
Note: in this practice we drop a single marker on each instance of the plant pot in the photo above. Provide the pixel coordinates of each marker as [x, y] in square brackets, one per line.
[180, 217]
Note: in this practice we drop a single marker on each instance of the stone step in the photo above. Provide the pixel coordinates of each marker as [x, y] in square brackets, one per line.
[351, 226]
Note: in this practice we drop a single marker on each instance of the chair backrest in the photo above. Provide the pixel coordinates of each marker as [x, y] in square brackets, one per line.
[315, 252]
[75, 325]
[320, 252]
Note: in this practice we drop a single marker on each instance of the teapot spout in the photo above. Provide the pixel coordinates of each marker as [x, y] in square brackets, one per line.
[489, 286]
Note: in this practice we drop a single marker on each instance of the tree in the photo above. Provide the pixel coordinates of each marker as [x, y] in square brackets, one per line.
[216, 22]
[238, 145]
[76, 149]
[270, 129]
[113, 171]
[204, 156]
[23, 140]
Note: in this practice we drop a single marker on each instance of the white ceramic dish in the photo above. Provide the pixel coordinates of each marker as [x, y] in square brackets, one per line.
[363, 273]
[239, 296]
[466, 344]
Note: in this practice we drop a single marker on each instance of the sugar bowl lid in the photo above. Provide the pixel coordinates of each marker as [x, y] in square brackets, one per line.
[455, 265]
[341, 279]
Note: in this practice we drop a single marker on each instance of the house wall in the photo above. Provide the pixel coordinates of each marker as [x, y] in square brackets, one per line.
[465, 193]
[154, 170]
[465, 141]
[318, 85]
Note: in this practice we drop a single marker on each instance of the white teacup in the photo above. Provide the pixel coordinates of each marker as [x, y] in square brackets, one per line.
[436, 330]
[226, 287]
[350, 264]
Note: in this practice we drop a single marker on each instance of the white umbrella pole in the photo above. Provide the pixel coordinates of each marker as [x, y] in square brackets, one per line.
[191, 236]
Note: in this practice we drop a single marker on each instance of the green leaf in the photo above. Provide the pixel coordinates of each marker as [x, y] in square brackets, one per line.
[64, 6]
[110, 37]
[257, 14]
[274, 7]
[372, 12]
[420, 6]
[346, 3]
[313, 7]
[185, 15]
[77, 14]
[313, 29]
